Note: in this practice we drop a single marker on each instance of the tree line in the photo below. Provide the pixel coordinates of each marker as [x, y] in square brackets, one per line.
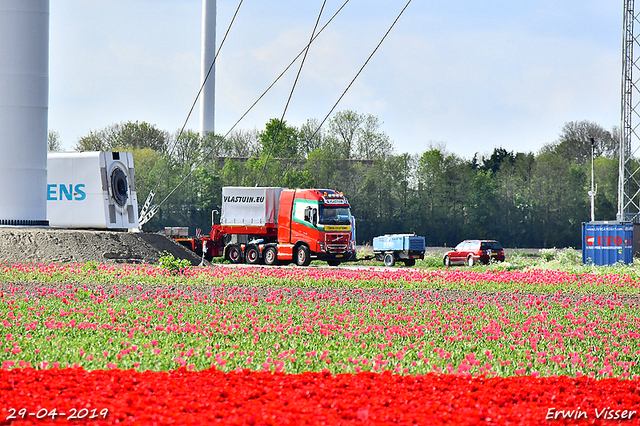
[522, 199]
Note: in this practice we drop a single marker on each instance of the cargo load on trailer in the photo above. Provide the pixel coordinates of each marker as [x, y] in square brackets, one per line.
[274, 225]
[251, 207]
[91, 189]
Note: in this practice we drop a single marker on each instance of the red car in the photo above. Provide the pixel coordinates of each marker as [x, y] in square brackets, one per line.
[470, 252]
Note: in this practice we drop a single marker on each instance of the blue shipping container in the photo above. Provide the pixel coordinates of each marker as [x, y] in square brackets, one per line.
[607, 243]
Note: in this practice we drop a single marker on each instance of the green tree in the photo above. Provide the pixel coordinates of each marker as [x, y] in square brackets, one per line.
[482, 211]
[513, 204]
[430, 208]
[371, 143]
[297, 179]
[125, 136]
[574, 142]
[190, 149]
[94, 141]
[234, 172]
[343, 131]
[273, 171]
[497, 158]
[140, 135]
[53, 141]
[242, 143]
[321, 165]
[213, 145]
[312, 136]
[278, 139]
[559, 201]
[606, 178]
[444, 186]
[354, 135]
[148, 164]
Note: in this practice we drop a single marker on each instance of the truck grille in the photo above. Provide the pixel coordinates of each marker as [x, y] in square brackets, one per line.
[337, 243]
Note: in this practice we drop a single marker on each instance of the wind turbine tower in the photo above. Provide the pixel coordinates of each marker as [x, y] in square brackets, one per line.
[24, 106]
[207, 97]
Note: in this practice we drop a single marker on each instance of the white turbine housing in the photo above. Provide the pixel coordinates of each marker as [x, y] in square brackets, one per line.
[92, 190]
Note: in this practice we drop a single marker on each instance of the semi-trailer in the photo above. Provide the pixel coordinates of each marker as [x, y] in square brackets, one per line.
[274, 225]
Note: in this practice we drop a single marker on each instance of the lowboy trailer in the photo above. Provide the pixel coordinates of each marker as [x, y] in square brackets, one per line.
[274, 225]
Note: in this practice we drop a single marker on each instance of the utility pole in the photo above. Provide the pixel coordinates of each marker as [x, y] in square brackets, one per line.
[592, 193]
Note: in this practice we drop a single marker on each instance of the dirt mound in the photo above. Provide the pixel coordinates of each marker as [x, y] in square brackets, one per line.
[49, 245]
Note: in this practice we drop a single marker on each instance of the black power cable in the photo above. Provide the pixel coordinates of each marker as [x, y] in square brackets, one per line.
[254, 104]
[295, 82]
[173, 147]
[348, 87]
[272, 84]
[286, 69]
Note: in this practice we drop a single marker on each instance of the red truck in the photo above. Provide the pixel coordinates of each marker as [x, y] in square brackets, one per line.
[274, 225]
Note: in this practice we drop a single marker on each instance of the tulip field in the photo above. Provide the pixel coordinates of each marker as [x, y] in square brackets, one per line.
[138, 344]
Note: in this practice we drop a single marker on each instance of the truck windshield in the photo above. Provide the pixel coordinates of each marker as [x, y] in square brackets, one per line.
[335, 215]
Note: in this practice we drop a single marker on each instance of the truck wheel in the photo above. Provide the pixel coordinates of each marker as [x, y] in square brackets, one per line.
[447, 261]
[252, 254]
[270, 255]
[302, 256]
[409, 262]
[234, 253]
[389, 260]
[470, 260]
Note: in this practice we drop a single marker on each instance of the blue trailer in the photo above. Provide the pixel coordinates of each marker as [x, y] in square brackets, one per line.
[398, 247]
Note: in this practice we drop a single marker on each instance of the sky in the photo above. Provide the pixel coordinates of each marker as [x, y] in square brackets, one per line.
[467, 75]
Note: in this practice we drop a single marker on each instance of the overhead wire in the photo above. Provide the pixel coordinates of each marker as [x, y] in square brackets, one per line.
[295, 82]
[272, 84]
[172, 148]
[195, 101]
[286, 69]
[198, 164]
[348, 87]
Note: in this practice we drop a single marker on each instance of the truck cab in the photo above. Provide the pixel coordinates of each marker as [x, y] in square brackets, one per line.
[273, 225]
[314, 224]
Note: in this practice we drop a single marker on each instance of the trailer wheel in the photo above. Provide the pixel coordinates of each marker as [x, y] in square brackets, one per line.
[234, 253]
[270, 255]
[252, 254]
[389, 260]
[302, 256]
[409, 262]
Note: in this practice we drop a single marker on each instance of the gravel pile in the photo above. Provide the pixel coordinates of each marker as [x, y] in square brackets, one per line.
[52, 245]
